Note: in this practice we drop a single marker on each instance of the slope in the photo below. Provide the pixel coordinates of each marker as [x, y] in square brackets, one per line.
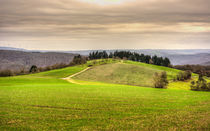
[17, 60]
[127, 72]
[43, 101]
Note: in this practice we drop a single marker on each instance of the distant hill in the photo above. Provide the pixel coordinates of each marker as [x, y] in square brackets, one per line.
[190, 59]
[16, 60]
[159, 52]
[206, 63]
[177, 57]
[12, 48]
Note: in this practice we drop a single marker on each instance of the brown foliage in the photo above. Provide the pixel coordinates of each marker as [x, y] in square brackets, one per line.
[160, 80]
[199, 69]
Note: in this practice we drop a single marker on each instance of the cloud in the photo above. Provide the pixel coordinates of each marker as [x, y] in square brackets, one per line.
[45, 20]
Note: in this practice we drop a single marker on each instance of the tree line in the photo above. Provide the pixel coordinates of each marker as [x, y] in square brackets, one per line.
[198, 69]
[155, 60]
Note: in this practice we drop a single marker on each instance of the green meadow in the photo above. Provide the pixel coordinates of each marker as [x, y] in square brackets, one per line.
[111, 95]
[127, 73]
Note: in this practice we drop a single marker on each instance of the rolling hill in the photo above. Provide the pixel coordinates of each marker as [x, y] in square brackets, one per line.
[206, 63]
[190, 59]
[128, 73]
[45, 101]
[17, 60]
[177, 57]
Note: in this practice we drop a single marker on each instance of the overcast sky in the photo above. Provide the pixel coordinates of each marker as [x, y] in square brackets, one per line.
[105, 24]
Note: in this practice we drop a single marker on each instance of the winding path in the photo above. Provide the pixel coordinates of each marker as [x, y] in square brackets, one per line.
[69, 78]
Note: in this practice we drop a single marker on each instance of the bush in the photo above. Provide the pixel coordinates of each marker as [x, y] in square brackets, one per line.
[160, 80]
[33, 69]
[188, 74]
[200, 85]
[182, 76]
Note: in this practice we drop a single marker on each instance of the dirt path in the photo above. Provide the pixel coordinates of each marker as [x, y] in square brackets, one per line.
[69, 78]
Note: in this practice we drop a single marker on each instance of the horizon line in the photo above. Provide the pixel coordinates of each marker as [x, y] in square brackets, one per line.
[98, 49]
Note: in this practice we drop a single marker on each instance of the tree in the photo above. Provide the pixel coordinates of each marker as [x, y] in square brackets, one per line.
[33, 69]
[154, 59]
[182, 76]
[200, 85]
[160, 80]
[200, 78]
[105, 55]
[151, 62]
[188, 74]
[166, 62]
[111, 55]
[131, 56]
[78, 60]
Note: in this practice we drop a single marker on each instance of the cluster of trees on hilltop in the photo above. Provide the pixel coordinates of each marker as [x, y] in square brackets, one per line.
[78, 60]
[99, 55]
[131, 56]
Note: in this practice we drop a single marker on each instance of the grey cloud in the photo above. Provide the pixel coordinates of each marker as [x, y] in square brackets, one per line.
[70, 12]
[22, 19]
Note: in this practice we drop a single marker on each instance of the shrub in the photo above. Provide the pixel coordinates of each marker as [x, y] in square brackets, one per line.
[182, 76]
[160, 80]
[188, 74]
[200, 85]
[33, 69]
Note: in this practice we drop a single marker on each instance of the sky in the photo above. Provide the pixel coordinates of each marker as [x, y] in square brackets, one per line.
[105, 24]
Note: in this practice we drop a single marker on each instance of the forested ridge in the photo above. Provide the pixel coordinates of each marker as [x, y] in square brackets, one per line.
[155, 60]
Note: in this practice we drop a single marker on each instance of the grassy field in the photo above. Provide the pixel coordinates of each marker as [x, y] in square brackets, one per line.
[128, 73]
[44, 101]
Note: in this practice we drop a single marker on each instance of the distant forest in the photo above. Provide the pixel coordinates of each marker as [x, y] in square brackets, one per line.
[198, 69]
[155, 60]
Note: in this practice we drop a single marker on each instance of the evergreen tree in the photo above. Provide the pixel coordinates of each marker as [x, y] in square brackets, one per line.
[131, 56]
[111, 55]
[33, 69]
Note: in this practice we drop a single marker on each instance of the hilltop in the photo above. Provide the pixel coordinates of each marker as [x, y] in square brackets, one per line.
[126, 72]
